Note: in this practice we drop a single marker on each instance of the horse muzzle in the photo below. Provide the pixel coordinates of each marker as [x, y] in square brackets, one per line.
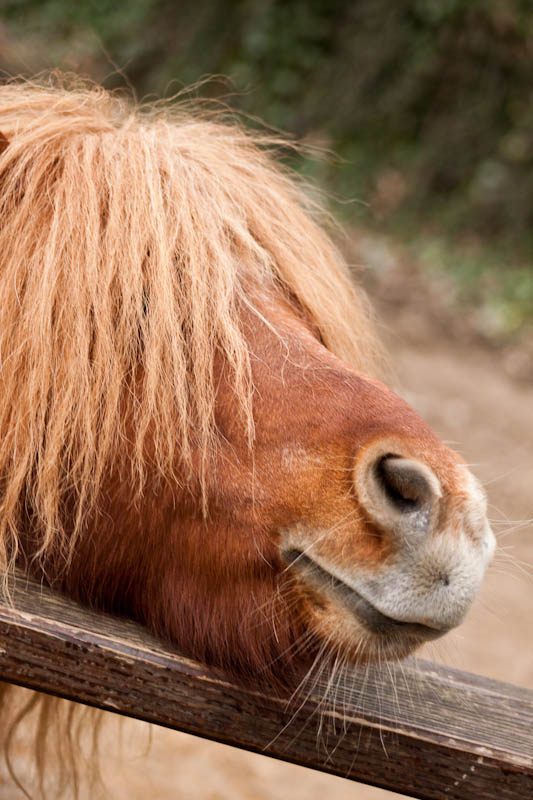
[439, 544]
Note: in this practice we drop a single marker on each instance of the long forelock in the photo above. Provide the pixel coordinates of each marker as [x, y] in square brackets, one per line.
[127, 240]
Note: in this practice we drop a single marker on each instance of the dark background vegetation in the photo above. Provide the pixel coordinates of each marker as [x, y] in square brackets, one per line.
[427, 103]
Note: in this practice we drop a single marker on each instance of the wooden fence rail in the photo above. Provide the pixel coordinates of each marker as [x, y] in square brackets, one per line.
[419, 729]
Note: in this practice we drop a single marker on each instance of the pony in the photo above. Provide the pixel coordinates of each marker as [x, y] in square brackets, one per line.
[191, 430]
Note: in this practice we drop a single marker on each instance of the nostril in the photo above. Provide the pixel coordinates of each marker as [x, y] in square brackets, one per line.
[401, 486]
[399, 494]
[403, 482]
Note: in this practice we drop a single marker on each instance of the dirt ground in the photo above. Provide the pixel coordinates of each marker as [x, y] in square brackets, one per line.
[468, 396]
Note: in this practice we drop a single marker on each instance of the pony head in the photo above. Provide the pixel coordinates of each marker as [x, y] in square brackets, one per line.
[190, 432]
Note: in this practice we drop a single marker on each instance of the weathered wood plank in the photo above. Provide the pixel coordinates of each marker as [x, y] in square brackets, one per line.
[419, 729]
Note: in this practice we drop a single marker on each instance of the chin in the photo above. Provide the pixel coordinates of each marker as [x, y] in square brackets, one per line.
[352, 640]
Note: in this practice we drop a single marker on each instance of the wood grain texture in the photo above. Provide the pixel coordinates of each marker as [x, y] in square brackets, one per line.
[419, 729]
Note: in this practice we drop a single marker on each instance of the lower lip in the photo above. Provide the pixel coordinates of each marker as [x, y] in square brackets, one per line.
[367, 614]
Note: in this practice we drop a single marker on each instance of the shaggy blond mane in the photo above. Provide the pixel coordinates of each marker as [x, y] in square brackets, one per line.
[128, 238]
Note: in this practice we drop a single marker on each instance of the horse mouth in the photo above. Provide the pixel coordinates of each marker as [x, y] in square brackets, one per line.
[365, 612]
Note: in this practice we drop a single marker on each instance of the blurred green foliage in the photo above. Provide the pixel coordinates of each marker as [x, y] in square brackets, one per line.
[429, 103]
